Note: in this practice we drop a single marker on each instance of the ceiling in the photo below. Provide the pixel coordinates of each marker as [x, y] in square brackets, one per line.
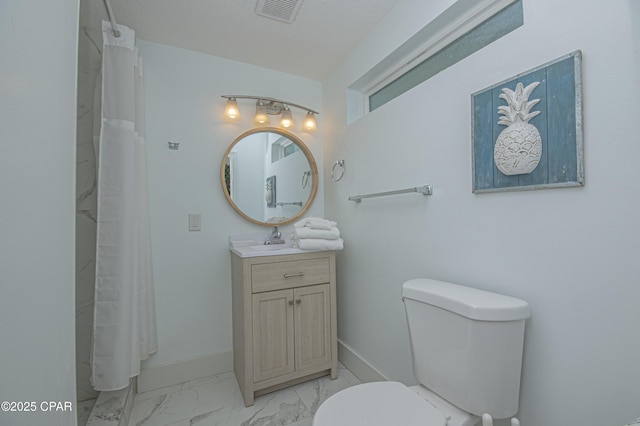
[321, 35]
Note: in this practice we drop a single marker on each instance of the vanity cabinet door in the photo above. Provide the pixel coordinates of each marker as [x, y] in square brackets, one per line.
[273, 334]
[312, 326]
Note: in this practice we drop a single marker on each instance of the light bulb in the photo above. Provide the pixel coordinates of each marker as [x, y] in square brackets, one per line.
[231, 111]
[309, 122]
[261, 113]
[287, 118]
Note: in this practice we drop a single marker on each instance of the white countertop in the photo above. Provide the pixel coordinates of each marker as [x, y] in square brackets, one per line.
[252, 245]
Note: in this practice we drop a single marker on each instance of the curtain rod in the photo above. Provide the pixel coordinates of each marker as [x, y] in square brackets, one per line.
[114, 26]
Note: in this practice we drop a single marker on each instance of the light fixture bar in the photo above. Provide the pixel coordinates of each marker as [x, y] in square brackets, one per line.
[264, 98]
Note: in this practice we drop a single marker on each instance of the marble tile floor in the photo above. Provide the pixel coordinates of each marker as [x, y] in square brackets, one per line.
[216, 401]
[84, 410]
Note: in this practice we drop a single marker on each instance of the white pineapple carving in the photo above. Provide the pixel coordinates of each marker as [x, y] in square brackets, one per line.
[518, 148]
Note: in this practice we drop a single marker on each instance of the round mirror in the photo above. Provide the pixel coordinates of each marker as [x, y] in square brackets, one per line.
[269, 176]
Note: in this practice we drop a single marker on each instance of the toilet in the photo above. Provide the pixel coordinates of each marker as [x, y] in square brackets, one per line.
[466, 346]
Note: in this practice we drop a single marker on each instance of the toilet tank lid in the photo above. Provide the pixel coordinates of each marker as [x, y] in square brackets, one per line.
[466, 301]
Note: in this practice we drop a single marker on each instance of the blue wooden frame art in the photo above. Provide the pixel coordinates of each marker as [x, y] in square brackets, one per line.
[559, 125]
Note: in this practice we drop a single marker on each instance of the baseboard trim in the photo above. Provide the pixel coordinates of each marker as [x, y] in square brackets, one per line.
[358, 365]
[179, 372]
[161, 376]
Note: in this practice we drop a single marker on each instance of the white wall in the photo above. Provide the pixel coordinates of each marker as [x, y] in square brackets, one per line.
[192, 269]
[38, 47]
[571, 253]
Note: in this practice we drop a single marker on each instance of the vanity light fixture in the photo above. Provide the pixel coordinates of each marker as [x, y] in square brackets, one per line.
[269, 106]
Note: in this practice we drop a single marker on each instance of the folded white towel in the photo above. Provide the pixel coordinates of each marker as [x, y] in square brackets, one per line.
[320, 244]
[325, 234]
[315, 223]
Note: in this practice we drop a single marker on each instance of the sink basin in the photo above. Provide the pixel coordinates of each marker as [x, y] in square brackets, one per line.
[252, 245]
[272, 247]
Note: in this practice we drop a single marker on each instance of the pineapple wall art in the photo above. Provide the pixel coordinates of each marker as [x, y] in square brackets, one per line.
[518, 148]
[527, 131]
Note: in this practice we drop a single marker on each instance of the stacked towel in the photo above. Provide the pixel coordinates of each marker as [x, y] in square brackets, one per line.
[320, 244]
[315, 223]
[332, 233]
[314, 233]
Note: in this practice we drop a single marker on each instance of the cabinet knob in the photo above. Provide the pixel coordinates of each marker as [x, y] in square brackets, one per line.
[291, 302]
[298, 301]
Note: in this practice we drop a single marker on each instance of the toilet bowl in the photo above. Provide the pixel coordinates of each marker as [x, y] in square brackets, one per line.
[466, 347]
[389, 403]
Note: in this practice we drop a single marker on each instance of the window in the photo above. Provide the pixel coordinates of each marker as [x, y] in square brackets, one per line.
[282, 148]
[461, 30]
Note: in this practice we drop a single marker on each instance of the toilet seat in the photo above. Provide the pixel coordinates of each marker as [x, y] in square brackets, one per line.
[378, 404]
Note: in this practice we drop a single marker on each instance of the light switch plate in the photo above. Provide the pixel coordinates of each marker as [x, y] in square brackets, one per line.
[194, 221]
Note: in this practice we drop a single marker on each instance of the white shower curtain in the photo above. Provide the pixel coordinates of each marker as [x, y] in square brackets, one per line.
[124, 329]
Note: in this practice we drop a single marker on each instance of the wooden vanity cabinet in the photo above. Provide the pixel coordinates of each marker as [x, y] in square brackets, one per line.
[284, 320]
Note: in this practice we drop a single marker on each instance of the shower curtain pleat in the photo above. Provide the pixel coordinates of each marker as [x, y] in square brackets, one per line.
[124, 313]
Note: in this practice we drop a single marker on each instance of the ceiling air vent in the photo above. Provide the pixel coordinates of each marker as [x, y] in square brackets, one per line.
[280, 10]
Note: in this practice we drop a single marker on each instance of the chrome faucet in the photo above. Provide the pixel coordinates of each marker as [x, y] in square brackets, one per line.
[275, 237]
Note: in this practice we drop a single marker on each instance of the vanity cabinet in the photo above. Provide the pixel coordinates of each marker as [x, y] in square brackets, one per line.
[284, 320]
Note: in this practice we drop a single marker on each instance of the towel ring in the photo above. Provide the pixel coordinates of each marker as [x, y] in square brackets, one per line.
[333, 171]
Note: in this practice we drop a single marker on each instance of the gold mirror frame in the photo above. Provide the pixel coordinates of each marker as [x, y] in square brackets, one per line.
[303, 148]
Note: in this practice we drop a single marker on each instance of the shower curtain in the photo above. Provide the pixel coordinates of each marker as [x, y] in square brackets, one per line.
[124, 330]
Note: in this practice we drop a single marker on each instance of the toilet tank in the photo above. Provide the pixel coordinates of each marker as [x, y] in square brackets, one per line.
[467, 344]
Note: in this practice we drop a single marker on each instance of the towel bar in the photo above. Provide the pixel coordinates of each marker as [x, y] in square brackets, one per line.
[295, 203]
[424, 190]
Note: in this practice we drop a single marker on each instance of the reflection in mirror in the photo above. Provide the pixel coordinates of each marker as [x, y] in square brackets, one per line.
[269, 176]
